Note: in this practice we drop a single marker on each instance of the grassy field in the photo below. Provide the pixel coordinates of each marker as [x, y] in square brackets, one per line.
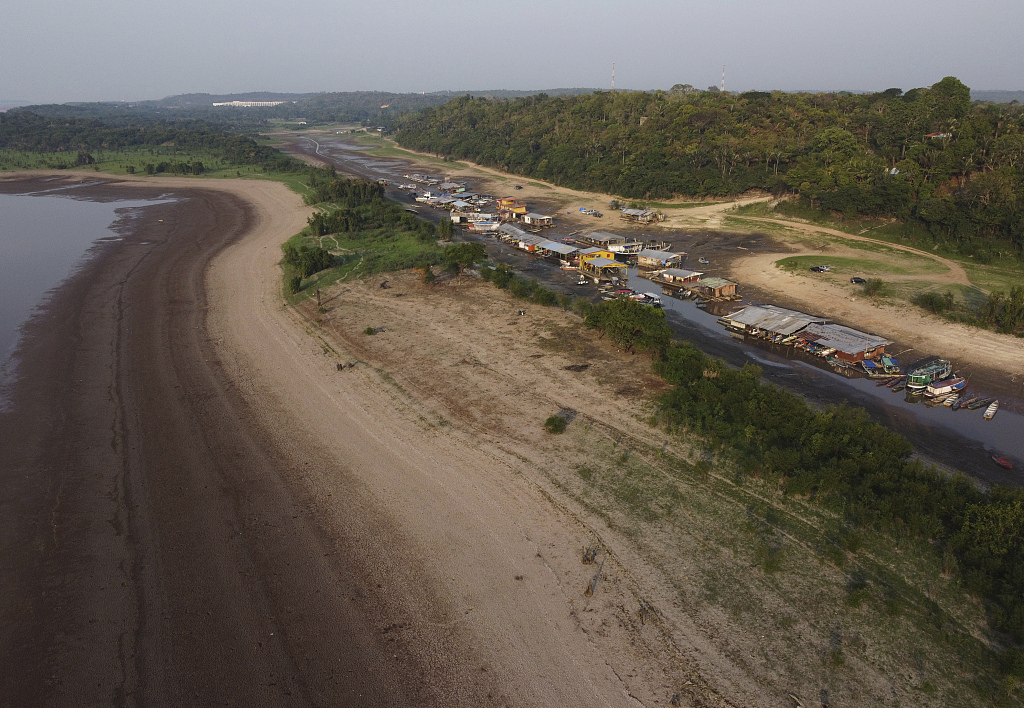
[385, 148]
[864, 266]
[1002, 273]
[359, 255]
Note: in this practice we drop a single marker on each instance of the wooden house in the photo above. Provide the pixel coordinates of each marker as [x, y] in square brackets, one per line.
[640, 216]
[715, 287]
[648, 258]
[537, 219]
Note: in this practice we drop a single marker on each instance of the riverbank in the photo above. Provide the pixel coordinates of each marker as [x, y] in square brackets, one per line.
[198, 507]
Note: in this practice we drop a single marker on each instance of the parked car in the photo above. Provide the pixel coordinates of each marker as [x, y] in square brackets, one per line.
[816, 269]
[857, 280]
[519, 186]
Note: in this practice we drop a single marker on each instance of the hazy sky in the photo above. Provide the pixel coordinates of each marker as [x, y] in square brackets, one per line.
[91, 50]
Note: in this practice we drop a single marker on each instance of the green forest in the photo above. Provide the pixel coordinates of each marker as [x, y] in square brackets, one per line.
[928, 156]
[28, 132]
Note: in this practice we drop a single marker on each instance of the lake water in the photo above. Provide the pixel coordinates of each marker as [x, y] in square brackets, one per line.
[44, 236]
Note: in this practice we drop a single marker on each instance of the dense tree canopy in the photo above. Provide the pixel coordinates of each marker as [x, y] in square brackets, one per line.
[928, 155]
[22, 130]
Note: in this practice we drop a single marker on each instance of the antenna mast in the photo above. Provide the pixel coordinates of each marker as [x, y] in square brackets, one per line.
[613, 76]
[723, 78]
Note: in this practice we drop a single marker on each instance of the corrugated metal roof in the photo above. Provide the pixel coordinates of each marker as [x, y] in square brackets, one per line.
[660, 255]
[531, 215]
[840, 338]
[513, 231]
[592, 249]
[774, 319]
[605, 237]
[680, 273]
[638, 212]
[714, 282]
[601, 262]
[562, 248]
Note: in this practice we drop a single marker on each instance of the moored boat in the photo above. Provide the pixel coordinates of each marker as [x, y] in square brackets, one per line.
[895, 381]
[953, 400]
[939, 388]
[979, 403]
[929, 373]
[899, 387]
[990, 412]
[1002, 462]
[964, 402]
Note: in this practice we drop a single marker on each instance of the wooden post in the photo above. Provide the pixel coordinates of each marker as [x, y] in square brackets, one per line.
[318, 298]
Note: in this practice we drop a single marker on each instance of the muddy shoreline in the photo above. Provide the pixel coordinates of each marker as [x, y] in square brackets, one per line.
[157, 547]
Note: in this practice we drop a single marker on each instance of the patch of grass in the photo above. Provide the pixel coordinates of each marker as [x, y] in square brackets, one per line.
[382, 147]
[370, 330]
[862, 266]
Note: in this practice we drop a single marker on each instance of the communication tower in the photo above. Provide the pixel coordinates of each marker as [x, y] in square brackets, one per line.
[613, 76]
[723, 79]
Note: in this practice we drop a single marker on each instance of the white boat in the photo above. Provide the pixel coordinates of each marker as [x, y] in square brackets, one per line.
[938, 388]
[948, 403]
[990, 412]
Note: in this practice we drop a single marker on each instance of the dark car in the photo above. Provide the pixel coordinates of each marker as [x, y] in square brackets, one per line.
[519, 186]
[857, 280]
[816, 269]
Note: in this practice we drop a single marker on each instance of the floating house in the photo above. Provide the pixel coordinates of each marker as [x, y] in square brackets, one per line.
[675, 278]
[602, 239]
[844, 343]
[715, 288]
[648, 258]
[601, 268]
[770, 322]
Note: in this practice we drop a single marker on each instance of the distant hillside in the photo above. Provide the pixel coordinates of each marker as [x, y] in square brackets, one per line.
[998, 96]
[348, 107]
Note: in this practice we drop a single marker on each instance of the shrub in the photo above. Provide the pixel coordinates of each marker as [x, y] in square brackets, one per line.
[555, 424]
[369, 330]
[873, 287]
[934, 302]
[294, 284]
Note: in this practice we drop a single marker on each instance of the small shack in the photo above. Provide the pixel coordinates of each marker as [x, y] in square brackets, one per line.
[537, 219]
[675, 278]
[715, 288]
[640, 216]
[602, 239]
[648, 258]
[511, 234]
[562, 251]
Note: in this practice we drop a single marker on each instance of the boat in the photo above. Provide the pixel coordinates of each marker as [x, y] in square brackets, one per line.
[1002, 462]
[945, 386]
[991, 411]
[895, 381]
[951, 401]
[964, 402]
[890, 363]
[875, 370]
[979, 404]
[899, 387]
[888, 381]
[929, 373]
[937, 400]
